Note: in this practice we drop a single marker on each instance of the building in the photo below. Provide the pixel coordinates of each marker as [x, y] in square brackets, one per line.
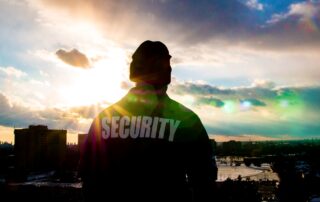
[81, 140]
[38, 148]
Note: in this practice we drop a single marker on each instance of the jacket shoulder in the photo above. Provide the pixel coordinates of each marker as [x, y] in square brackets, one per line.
[181, 110]
[112, 110]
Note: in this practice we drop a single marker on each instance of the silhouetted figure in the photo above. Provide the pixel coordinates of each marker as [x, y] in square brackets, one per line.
[148, 147]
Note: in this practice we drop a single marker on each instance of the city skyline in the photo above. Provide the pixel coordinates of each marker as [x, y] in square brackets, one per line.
[249, 68]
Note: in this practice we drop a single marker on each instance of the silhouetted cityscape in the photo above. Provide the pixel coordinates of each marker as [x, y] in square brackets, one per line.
[41, 166]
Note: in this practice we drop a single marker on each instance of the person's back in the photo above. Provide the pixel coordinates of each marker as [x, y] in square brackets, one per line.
[147, 147]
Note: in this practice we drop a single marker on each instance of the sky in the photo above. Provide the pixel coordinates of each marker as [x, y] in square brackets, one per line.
[249, 68]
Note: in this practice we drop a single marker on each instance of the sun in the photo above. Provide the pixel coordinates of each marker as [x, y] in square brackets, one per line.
[100, 83]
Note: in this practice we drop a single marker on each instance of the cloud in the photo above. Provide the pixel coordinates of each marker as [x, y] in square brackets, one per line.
[208, 19]
[252, 102]
[297, 28]
[11, 71]
[261, 83]
[199, 89]
[216, 22]
[302, 10]
[90, 111]
[43, 73]
[254, 4]
[278, 111]
[258, 110]
[73, 57]
[210, 101]
[259, 94]
[12, 114]
[206, 90]
[309, 96]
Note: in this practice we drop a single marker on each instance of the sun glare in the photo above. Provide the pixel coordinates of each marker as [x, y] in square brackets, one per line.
[100, 83]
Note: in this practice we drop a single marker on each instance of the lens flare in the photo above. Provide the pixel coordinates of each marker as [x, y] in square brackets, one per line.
[309, 25]
[245, 105]
[289, 104]
[229, 106]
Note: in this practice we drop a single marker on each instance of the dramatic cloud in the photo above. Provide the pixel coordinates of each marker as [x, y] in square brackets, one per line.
[271, 113]
[217, 22]
[14, 115]
[206, 19]
[209, 90]
[308, 96]
[246, 67]
[259, 94]
[73, 57]
[202, 89]
[261, 109]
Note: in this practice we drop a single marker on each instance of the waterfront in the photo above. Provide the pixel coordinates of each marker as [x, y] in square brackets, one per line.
[278, 171]
[246, 173]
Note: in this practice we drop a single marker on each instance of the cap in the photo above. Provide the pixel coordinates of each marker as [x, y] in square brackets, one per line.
[148, 63]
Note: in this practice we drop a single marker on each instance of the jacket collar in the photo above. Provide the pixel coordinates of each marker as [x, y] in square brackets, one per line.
[147, 89]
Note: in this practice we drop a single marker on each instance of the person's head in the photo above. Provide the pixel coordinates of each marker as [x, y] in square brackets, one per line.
[151, 64]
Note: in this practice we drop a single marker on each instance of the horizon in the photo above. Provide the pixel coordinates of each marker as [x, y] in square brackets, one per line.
[249, 68]
[74, 140]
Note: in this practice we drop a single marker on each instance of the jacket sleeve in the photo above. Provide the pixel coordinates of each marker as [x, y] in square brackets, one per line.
[202, 170]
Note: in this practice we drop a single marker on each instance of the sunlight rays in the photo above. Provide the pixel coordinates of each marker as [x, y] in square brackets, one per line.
[100, 83]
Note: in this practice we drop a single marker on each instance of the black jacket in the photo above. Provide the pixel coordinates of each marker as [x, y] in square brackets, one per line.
[147, 147]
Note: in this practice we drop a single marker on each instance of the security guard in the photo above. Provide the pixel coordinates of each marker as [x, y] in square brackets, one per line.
[148, 147]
